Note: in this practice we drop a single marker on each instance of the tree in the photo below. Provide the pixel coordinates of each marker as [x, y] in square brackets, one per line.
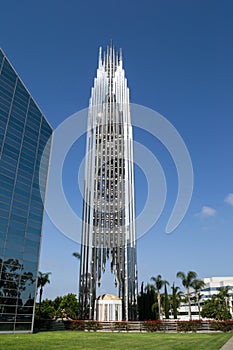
[158, 284]
[187, 281]
[11, 287]
[197, 285]
[68, 306]
[45, 310]
[141, 302]
[56, 303]
[223, 294]
[43, 279]
[216, 308]
[166, 300]
[175, 299]
[146, 302]
[77, 255]
[149, 299]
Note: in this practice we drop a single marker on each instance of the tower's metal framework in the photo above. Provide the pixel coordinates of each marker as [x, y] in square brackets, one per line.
[108, 212]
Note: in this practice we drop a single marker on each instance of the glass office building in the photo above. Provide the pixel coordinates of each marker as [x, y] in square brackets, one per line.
[24, 133]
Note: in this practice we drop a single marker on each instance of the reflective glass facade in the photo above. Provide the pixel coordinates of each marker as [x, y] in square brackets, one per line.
[108, 231]
[24, 133]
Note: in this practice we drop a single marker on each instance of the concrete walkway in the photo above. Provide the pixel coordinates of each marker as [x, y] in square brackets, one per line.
[228, 345]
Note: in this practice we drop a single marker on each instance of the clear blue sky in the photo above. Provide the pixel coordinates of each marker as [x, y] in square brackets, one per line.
[178, 60]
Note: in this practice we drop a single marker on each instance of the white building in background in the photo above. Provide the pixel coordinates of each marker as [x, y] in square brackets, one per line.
[211, 288]
[213, 283]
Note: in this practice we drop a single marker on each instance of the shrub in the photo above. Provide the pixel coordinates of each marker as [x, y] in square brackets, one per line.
[92, 326]
[120, 326]
[152, 326]
[188, 326]
[223, 326]
[47, 310]
[80, 325]
[74, 325]
[45, 325]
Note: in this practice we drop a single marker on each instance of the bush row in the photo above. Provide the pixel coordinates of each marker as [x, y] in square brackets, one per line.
[149, 326]
[224, 326]
[80, 325]
[179, 326]
[189, 326]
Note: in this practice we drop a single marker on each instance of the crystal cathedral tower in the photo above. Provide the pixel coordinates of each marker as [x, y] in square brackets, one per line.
[108, 232]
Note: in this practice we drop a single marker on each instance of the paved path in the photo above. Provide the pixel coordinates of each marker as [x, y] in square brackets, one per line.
[228, 345]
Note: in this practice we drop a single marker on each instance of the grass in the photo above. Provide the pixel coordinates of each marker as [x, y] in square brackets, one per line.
[68, 340]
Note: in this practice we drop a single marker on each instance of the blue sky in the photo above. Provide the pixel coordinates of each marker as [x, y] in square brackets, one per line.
[178, 60]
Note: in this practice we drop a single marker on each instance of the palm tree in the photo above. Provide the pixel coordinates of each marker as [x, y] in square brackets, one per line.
[158, 284]
[175, 299]
[42, 280]
[187, 283]
[77, 255]
[197, 285]
[223, 293]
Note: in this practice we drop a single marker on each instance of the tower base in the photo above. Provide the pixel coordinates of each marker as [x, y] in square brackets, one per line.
[108, 307]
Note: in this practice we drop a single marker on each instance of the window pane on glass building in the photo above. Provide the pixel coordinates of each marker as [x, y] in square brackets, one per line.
[24, 132]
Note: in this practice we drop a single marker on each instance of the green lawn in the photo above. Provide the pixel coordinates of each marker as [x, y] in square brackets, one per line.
[68, 340]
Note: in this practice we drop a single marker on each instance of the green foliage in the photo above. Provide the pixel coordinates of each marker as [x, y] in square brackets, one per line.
[57, 302]
[153, 305]
[153, 326]
[46, 309]
[166, 302]
[188, 326]
[120, 326]
[197, 285]
[77, 255]
[147, 302]
[223, 326]
[80, 325]
[45, 324]
[69, 340]
[175, 300]
[154, 310]
[216, 308]
[68, 307]
[187, 281]
[42, 280]
[11, 286]
[75, 325]
[62, 307]
[158, 284]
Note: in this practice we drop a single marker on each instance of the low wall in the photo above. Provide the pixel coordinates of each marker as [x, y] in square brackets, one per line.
[137, 326]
